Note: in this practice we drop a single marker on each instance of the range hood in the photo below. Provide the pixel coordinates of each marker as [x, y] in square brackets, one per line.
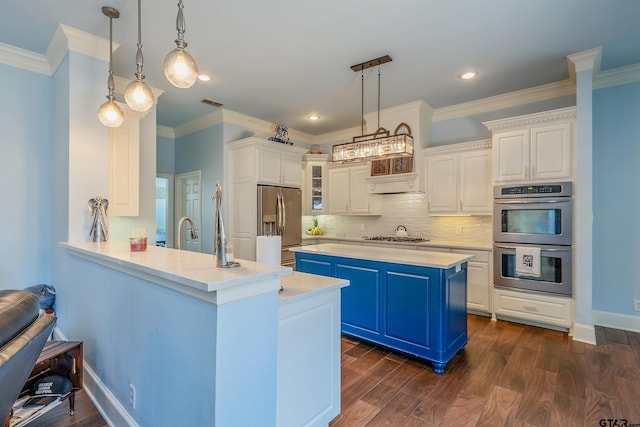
[411, 182]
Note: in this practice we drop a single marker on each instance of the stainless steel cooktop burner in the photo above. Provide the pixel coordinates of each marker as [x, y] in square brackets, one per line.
[396, 239]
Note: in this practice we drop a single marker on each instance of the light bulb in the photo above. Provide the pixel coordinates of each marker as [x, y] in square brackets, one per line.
[110, 114]
[139, 96]
[180, 68]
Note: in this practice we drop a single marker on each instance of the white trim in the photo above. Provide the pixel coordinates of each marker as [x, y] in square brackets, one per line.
[531, 119]
[584, 333]
[100, 394]
[165, 131]
[482, 144]
[583, 61]
[617, 76]
[24, 59]
[200, 123]
[506, 100]
[616, 321]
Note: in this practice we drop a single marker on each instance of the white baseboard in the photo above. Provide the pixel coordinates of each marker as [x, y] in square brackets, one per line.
[106, 403]
[616, 321]
[584, 333]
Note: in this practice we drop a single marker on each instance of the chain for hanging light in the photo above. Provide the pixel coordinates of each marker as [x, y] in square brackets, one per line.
[179, 67]
[138, 94]
[110, 113]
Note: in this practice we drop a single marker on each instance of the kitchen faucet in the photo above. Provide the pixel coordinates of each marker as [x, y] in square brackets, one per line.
[194, 233]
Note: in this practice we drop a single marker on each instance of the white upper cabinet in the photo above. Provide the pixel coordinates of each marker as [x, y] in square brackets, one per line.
[459, 179]
[348, 191]
[124, 166]
[314, 186]
[535, 147]
[278, 166]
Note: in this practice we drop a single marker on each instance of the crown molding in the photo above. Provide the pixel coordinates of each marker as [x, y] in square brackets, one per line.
[202, 122]
[24, 59]
[531, 119]
[617, 76]
[507, 100]
[481, 144]
[69, 39]
[165, 132]
[583, 61]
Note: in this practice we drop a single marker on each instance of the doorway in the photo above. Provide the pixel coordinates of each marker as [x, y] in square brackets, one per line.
[188, 196]
[164, 210]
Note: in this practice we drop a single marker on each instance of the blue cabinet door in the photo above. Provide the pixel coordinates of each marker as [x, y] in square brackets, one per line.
[313, 265]
[360, 300]
[408, 306]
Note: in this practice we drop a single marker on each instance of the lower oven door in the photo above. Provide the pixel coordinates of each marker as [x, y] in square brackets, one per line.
[555, 269]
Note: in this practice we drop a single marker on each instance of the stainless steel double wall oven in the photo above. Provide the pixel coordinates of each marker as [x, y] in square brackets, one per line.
[535, 215]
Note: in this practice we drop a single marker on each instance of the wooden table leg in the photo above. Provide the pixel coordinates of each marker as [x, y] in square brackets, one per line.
[72, 403]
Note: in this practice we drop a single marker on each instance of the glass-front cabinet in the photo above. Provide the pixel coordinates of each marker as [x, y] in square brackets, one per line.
[315, 184]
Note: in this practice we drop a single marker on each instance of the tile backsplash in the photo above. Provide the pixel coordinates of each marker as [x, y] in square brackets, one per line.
[410, 210]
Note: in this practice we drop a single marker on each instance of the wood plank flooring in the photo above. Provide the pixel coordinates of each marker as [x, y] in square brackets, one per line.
[508, 375]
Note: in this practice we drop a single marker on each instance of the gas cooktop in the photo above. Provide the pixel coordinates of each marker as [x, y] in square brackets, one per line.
[396, 239]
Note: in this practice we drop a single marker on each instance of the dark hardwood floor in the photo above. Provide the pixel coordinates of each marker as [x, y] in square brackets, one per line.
[508, 375]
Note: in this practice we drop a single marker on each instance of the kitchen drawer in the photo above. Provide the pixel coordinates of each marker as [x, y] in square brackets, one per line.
[545, 309]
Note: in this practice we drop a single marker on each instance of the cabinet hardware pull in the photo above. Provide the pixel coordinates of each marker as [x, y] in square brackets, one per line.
[530, 308]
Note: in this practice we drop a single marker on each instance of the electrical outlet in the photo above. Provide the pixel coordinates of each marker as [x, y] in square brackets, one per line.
[459, 230]
[132, 396]
[636, 304]
[362, 227]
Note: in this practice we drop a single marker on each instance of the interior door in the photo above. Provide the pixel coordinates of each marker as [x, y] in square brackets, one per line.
[189, 198]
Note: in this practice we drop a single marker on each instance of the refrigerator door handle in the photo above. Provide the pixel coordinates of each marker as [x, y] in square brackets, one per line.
[279, 204]
[284, 213]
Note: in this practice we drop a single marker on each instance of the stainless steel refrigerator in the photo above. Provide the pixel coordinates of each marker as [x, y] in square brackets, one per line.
[280, 214]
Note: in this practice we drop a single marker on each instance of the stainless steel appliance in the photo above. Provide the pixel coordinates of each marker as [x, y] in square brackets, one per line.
[534, 216]
[541, 214]
[555, 269]
[280, 214]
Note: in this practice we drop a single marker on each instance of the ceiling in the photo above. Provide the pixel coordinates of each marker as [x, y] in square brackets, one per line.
[285, 59]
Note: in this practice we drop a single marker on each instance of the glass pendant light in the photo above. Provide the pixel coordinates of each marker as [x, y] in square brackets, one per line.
[138, 94]
[110, 113]
[179, 67]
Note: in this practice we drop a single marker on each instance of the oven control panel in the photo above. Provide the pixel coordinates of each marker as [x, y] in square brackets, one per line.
[562, 189]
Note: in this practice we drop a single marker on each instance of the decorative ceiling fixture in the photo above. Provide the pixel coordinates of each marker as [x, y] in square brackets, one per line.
[468, 75]
[138, 94]
[110, 113]
[378, 145]
[179, 67]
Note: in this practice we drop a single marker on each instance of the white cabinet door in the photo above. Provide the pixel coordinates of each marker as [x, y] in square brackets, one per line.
[511, 155]
[359, 198]
[268, 167]
[443, 183]
[339, 190]
[478, 289]
[124, 168]
[291, 170]
[475, 182]
[551, 151]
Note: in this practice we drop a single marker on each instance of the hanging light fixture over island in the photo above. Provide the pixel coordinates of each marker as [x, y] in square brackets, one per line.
[377, 145]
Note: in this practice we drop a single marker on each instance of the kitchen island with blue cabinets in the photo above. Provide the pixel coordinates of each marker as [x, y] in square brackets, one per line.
[410, 301]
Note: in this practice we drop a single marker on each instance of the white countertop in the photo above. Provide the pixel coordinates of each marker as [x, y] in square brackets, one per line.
[299, 285]
[442, 260]
[482, 246]
[191, 269]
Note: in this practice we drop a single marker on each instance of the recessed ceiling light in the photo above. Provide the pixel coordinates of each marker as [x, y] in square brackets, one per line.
[204, 78]
[313, 117]
[468, 75]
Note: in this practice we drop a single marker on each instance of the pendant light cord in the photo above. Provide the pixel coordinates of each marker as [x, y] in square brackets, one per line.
[362, 102]
[378, 98]
[110, 80]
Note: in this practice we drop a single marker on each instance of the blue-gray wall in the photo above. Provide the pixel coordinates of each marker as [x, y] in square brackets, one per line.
[203, 151]
[616, 198]
[25, 171]
[165, 154]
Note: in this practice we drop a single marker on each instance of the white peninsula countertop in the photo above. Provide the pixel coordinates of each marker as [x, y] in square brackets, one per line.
[192, 273]
[443, 260]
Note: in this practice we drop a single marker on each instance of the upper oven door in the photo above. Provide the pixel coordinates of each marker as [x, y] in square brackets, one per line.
[542, 221]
